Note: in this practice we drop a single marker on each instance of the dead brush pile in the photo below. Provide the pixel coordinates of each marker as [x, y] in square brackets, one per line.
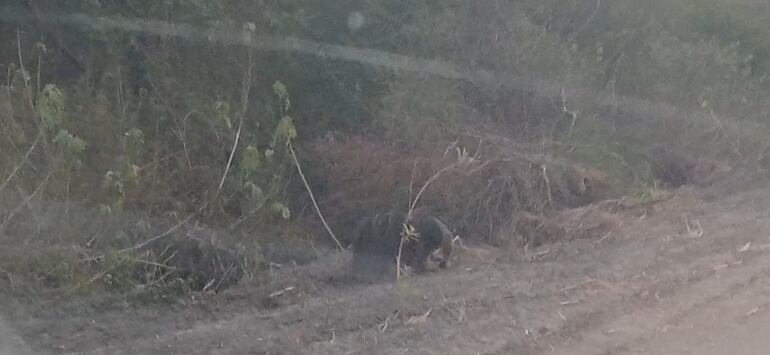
[489, 181]
[65, 249]
[190, 253]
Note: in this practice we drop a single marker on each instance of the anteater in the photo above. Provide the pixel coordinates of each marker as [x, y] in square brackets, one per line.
[379, 236]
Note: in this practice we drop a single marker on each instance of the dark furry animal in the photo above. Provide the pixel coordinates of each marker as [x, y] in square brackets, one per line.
[378, 237]
[672, 168]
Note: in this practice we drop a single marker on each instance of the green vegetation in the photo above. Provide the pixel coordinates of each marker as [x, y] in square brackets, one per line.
[132, 123]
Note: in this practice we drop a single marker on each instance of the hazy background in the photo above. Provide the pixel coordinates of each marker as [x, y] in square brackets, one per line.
[123, 121]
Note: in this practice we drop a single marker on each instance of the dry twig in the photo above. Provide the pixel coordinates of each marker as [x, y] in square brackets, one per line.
[419, 319]
[312, 197]
[281, 292]
[696, 232]
[159, 236]
[408, 230]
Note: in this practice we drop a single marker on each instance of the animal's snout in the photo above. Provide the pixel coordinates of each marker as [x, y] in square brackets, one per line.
[437, 258]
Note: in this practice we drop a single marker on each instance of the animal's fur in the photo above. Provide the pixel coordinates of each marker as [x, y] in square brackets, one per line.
[378, 238]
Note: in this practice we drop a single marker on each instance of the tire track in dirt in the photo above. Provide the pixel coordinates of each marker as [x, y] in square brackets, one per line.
[733, 325]
[619, 334]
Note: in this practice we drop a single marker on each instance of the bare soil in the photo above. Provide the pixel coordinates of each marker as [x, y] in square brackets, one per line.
[665, 278]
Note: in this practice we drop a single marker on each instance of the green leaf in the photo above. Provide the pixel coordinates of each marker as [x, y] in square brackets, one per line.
[254, 191]
[134, 142]
[133, 171]
[105, 210]
[25, 75]
[278, 207]
[135, 136]
[222, 113]
[114, 181]
[251, 160]
[248, 30]
[41, 48]
[71, 145]
[50, 106]
[285, 129]
[279, 89]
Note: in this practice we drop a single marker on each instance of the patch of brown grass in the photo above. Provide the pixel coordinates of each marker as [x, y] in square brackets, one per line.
[500, 178]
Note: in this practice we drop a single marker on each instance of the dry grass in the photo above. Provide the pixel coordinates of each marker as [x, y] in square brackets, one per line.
[498, 177]
[60, 250]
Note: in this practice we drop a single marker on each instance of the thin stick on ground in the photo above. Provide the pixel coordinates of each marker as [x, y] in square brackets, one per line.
[312, 197]
[547, 181]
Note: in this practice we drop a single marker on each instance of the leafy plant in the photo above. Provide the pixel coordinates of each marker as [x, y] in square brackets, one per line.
[50, 106]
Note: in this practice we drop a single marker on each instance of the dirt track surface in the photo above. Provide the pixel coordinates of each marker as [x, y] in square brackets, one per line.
[652, 286]
[10, 342]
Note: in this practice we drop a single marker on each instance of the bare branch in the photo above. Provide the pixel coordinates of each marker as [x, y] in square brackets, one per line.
[312, 197]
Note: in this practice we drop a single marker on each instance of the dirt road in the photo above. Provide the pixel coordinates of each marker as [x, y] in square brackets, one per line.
[690, 275]
[735, 324]
[10, 342]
